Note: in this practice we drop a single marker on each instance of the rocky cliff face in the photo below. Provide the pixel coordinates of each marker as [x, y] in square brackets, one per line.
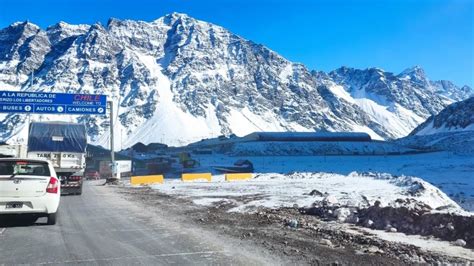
[177, 80]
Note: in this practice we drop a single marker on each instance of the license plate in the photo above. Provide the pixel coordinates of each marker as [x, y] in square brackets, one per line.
[14, 205]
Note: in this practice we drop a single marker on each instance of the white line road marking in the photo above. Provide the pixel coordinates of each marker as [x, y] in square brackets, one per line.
[132, 257]
[2, 230]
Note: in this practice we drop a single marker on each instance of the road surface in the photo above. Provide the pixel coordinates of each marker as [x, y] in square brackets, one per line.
[102, 228]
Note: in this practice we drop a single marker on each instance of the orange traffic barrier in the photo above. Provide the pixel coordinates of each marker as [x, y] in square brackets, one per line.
[196, 177]
[146, 179]
[239, 176]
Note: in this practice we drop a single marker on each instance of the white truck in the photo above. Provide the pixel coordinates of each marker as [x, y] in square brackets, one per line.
[64, 144]
[122, 167]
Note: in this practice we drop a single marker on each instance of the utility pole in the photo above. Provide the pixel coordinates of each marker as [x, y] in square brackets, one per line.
[115, 176]
[111, 114]
[29, 115]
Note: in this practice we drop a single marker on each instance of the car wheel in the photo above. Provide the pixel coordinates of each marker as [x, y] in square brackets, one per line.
[52, 218]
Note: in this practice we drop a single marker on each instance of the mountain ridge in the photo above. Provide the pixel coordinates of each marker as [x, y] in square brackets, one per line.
[189, 79]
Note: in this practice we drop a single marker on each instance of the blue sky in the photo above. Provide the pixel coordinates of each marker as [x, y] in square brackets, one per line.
[324, 35]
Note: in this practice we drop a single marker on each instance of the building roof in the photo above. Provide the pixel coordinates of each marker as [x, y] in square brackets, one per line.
[308, 136]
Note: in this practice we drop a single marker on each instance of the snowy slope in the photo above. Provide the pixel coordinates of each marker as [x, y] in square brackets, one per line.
[275, 148]
[461, 142]
[397, 102]
[454, 118]
[177, 80]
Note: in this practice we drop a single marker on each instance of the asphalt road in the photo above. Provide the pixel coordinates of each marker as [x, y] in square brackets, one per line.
[101, 228]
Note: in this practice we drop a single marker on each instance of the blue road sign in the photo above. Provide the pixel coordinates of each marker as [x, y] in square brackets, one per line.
[52, 103]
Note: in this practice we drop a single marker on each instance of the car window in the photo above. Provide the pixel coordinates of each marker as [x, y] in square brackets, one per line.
[24, 168]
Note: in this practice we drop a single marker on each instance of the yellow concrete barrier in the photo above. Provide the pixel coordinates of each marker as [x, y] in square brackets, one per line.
[240, 176]
[196, 176]
[146, 179]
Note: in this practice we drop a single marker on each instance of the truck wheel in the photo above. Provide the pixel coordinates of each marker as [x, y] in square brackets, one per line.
[52, 219]
[79, 191]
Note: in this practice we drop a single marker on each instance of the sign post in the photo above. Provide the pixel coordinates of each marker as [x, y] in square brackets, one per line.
[58, 103]
[52, 103]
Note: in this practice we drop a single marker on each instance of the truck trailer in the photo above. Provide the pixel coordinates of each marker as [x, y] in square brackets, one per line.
[64, 144]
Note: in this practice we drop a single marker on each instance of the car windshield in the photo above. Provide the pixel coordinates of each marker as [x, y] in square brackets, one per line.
[24, 168]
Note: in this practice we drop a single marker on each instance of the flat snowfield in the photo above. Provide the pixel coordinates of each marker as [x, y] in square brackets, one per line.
[451, 173]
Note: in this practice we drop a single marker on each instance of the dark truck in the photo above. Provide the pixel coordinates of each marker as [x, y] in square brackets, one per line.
[64, 144]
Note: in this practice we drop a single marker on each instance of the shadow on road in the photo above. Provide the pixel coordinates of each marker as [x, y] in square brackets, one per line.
[19, 220]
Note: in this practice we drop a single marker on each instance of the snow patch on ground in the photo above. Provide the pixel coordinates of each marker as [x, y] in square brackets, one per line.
[450, 172]
[273, 190]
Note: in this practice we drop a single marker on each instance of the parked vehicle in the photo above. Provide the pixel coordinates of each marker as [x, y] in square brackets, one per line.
[64, 144]
[92, 175]
[29, 186]
[123, 166]
[240, 166]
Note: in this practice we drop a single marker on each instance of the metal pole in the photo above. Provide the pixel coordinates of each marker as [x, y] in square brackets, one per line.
[29, 114]
[112, 154]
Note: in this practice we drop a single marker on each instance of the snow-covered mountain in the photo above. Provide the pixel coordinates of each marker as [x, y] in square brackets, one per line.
[451, 91]
[177, 79]
[456, 117]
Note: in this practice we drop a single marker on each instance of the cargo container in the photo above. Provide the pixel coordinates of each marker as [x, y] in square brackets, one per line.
[64, 144]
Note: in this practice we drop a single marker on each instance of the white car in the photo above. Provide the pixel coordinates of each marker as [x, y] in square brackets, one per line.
[29, 187]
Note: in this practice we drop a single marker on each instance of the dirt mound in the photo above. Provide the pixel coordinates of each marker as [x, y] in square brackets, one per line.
[418, 219]
[445, 226]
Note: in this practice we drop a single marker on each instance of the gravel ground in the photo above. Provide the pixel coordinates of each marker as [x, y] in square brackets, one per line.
[287, 233]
